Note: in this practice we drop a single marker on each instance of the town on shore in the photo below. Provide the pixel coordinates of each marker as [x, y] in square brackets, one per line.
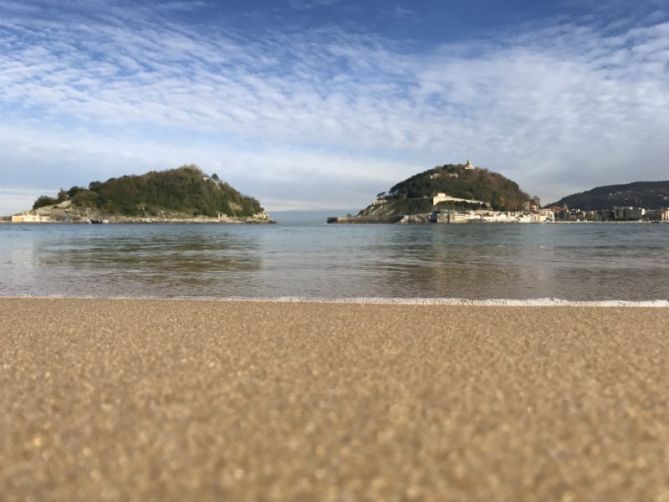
[465, 193]
[531, 213]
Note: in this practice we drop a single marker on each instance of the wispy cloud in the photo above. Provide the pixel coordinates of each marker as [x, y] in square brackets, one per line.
[330, 114]
[311, 4]
[403, 13]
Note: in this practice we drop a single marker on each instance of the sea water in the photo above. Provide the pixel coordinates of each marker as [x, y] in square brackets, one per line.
[305, 258]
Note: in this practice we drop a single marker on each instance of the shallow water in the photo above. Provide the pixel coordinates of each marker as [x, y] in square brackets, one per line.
[590, 262]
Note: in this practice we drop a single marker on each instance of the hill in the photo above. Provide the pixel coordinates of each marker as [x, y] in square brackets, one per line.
[414, 195]
[182, 193]
[646, 194]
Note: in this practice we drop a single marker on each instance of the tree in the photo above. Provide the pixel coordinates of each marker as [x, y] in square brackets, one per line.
[43, 201]
[73, 191]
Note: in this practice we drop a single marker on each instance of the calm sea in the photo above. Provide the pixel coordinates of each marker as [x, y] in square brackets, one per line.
[303, 257]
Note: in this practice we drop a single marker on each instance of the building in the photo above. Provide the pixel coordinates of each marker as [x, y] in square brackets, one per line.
[29, 217]
[530, 205]
[628, 213]
[469, 166]
[452, 217]
[546, 215]
[658, 214]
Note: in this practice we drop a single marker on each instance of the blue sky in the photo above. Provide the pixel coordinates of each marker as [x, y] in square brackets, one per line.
[311, 104]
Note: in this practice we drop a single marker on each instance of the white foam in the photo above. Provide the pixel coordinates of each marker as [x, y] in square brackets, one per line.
[493, 302]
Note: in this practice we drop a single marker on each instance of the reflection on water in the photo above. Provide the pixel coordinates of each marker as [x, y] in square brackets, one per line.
[575, 262]
[147, 260]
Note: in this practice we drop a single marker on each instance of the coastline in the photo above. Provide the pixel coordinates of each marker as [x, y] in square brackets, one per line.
[422, 220]
[371, 300]
[336, 220]
[136, 399]
[153, 221]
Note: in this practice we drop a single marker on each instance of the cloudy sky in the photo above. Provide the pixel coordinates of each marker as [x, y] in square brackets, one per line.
[311, 104]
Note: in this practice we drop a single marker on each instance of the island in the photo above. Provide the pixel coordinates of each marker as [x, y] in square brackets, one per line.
[182, 195]
[452, 193]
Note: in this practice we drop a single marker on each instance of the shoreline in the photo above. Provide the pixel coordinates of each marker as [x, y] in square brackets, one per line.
[212, 221]
[370, 222]
[134, 399]
[378, 300]
[395, 220]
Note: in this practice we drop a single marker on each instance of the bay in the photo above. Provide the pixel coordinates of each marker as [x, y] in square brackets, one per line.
[303, 257]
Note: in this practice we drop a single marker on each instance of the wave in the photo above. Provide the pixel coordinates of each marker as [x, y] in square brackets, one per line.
[492, 302]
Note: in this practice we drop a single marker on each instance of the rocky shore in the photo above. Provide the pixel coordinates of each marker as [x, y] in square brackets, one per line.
[65, 212]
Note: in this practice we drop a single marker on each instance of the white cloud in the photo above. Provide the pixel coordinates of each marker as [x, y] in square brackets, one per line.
[327, 115]
[311, 4]
[15, 200]
[280, 176]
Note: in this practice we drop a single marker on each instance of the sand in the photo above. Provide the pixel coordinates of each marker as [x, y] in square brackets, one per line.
[197, 400]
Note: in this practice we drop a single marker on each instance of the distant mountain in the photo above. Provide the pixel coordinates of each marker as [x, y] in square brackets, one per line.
[464, 181]
[646, 194]
[185, 192]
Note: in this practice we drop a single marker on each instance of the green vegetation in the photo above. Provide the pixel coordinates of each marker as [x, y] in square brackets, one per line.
[185, 191]
[43, 201]
[414, 195]
[646, 194]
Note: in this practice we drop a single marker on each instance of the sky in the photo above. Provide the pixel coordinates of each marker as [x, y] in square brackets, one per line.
[314, 104]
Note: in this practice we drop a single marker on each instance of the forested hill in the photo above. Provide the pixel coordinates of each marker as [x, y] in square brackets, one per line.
[185, 191]
[646, 194]
[414, 195]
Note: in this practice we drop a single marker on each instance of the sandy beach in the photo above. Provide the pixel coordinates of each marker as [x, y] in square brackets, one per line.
[203, 400]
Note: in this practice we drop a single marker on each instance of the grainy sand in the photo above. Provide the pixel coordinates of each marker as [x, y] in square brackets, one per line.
[194, 400]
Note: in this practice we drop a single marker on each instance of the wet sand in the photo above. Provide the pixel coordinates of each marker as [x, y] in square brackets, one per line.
[195, 400]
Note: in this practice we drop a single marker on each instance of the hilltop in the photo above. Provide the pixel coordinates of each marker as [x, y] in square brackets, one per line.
[646, 194]
[476, 187]
[185, 193]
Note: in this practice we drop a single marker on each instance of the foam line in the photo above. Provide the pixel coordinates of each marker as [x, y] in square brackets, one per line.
[493, 302]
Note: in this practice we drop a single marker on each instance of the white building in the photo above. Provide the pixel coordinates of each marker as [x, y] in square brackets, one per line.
[29, 217]
[658, 214]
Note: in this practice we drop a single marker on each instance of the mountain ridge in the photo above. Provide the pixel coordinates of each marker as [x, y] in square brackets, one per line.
[645, 194]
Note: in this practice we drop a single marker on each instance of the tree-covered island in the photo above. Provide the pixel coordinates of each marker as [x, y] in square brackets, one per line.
[185, 194]
[449, 193]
